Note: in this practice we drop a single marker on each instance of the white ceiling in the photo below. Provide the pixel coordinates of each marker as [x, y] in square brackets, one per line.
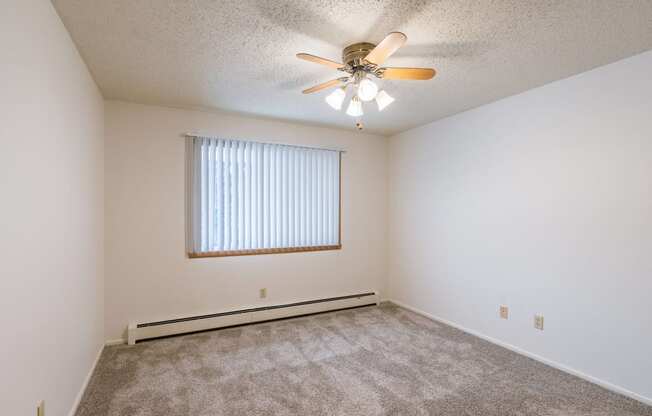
[240, 55]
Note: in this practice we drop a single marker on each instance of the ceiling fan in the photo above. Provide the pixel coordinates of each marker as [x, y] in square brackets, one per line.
[362, 61]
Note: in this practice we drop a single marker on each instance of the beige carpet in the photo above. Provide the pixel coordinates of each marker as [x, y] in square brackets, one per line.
[368, 361]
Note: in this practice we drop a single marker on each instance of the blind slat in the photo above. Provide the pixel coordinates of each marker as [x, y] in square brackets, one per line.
[219, 185]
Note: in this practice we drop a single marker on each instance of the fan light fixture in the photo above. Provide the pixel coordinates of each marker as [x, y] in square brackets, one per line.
[367, 90]
[383, 100]
[336, 98]
[360, 62]
[355, 107]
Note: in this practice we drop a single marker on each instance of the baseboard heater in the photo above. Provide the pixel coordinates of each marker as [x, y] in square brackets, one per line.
[147, 330]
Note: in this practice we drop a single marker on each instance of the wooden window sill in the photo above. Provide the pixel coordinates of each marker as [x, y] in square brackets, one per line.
[230, 253]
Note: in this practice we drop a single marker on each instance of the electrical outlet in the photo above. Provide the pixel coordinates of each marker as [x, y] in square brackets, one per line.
[538, 322]
[504, 312]
[263, 293]
[40, 409]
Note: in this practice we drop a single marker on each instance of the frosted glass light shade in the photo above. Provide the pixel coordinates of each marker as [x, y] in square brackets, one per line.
[336, 98]
[355, 107]
[367, 90]
[383, 100]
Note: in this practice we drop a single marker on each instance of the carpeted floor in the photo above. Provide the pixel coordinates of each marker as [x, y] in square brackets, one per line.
[368, 361]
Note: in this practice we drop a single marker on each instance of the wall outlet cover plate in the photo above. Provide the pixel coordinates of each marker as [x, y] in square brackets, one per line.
[504, 312]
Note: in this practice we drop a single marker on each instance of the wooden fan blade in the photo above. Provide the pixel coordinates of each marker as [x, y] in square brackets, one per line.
[318, 60]
[408, 73]
[384, 49]
[323, 86]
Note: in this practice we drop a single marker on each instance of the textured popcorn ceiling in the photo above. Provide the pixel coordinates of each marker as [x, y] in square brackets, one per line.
[239, 55]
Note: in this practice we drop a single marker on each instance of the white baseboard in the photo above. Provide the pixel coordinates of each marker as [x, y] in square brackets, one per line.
[118, 341]
[247, 315]
[86, 381]
[558, 366]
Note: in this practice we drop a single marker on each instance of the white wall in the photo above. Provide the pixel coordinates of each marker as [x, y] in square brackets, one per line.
[148, 275]
[51, 212]
[542, 202]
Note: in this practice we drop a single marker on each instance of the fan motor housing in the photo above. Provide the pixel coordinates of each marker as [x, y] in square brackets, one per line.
[353, 55]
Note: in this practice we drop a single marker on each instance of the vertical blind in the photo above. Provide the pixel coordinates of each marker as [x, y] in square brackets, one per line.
[247, 196]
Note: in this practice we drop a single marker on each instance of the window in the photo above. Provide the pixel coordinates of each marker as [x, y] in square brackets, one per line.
[259, 198]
